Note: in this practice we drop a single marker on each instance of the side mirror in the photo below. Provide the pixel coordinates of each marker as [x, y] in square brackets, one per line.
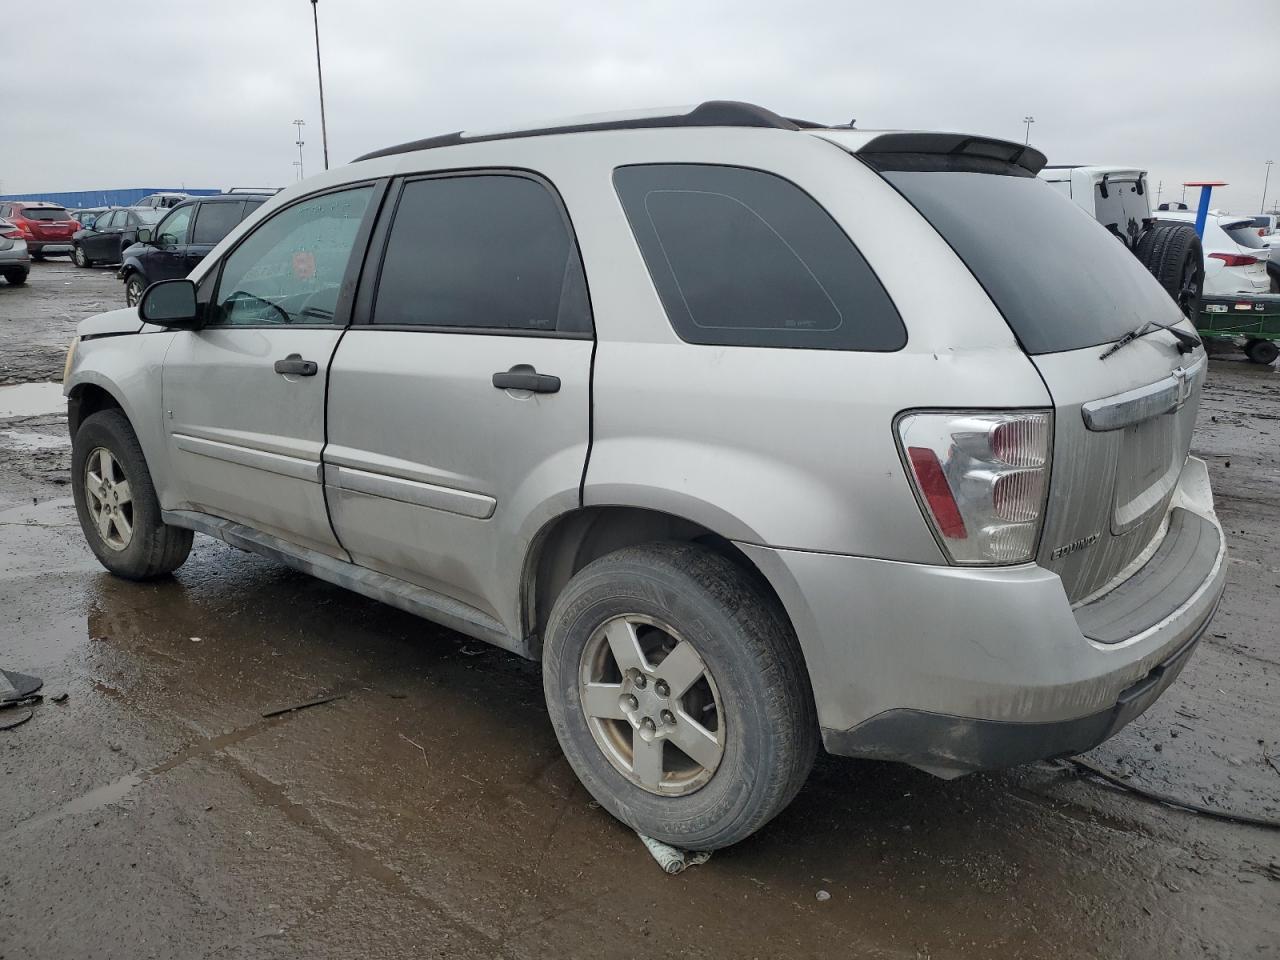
[171, 303]
[144, 234]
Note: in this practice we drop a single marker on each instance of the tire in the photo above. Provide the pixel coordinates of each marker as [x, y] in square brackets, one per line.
[755, 679]
[79, 257]
[16, 277]
[1262, 351]
[152, 547]
[1174, 255]
[37, 255]
[134, 285]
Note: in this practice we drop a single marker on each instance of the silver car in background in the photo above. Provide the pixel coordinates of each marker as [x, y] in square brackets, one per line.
[15, 259]
[757, 433]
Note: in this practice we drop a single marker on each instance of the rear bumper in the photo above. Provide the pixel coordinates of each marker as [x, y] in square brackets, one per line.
[956, 669]
[49, 246]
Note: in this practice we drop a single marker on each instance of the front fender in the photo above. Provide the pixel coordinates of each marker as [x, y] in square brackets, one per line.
[128, 368]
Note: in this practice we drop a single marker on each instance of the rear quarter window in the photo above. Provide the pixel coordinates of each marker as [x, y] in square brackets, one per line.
[744, 258]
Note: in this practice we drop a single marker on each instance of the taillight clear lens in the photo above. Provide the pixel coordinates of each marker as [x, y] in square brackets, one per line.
[982, 479]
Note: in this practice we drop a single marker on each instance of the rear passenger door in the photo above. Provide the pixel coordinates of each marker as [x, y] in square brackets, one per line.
[458, 408]
[213, 221]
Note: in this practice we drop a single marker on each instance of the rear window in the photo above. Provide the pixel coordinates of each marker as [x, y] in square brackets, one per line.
[46, 213]
[1246, 235]
[147, 215]
[1061, 279]
[744, 258]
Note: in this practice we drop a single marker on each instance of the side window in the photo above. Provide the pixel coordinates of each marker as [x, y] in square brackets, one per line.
[106, 221]
[251, 207]
[173, 229]
[290, 268]
[489, 251]
[214, 221]
[745, 258]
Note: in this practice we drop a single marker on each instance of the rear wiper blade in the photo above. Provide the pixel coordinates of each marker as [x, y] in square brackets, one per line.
[1186, 341]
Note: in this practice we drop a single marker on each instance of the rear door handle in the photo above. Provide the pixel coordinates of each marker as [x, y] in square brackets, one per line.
[295, 365]
[524, 377]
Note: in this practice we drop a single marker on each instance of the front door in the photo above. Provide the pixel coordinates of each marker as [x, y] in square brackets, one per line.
[459, 398]
[103, 242]
[214, 220]
[244, 395]
[166, 260]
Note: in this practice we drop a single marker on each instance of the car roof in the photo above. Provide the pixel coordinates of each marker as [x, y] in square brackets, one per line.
[37, 203]
[732, 113]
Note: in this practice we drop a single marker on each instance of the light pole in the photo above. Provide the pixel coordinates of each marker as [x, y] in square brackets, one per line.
[324, 132]
[1265, 181]
[1028, 120]
[299, 124]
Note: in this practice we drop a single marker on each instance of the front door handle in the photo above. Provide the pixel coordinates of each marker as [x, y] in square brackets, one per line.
[524, 377]
[295, 365]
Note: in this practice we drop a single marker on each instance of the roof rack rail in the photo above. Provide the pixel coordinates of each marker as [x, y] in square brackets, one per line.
[712, 113]
[270, 190]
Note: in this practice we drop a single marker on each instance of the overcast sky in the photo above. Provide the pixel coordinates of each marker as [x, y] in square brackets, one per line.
[177, 92]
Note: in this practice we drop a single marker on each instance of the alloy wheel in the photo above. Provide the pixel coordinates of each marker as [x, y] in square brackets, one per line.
[652, 705]
[133, 292]
[109, 498]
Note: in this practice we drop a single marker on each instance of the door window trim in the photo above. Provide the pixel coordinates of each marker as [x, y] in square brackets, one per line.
[355, 264]
[371, 276]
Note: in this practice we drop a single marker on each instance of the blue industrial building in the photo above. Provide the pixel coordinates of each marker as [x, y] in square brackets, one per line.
[79, 199]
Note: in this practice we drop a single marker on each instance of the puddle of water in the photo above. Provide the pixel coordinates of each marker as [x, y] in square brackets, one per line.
[31, 399]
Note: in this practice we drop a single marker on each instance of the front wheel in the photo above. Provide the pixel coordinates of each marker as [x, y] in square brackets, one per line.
[79, 257]
[133, 289]
[1262, 351]
[679, 694]
[117, 504]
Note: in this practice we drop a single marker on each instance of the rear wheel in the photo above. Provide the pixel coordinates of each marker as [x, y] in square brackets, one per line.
[16, 277]
[117, 504]
[37, 255]
[679, 695]
[133, 289]
[79, 257]
[1174, 255]
[1262, 351]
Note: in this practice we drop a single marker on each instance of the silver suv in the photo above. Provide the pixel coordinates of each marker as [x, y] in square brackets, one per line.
[754, 431]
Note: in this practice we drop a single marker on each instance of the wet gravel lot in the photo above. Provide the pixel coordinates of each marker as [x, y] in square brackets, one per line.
[157, 813]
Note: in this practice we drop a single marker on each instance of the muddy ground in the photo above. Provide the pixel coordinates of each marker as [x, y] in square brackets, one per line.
[156, 813]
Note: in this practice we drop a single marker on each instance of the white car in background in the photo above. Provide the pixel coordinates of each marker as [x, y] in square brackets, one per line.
[1235, 257]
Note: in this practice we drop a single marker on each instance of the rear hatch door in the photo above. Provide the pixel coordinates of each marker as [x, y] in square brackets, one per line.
[1068, 289]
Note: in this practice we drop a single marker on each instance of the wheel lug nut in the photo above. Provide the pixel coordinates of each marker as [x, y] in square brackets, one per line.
[648, 723]
[668, 717]
[640, 681]
[662, 688]
[630, 703]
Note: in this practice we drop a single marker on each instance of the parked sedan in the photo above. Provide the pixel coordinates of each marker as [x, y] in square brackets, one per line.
[110, 234]
[15, 261]
[1234, 256]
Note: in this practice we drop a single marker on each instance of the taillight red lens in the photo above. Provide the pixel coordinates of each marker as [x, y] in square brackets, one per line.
[12, 235]
[981, 478]
[1235, 259]
[933, 484]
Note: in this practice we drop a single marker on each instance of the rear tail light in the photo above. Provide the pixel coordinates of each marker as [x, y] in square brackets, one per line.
[12, 235]
[1235, 259]
[982, 480]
